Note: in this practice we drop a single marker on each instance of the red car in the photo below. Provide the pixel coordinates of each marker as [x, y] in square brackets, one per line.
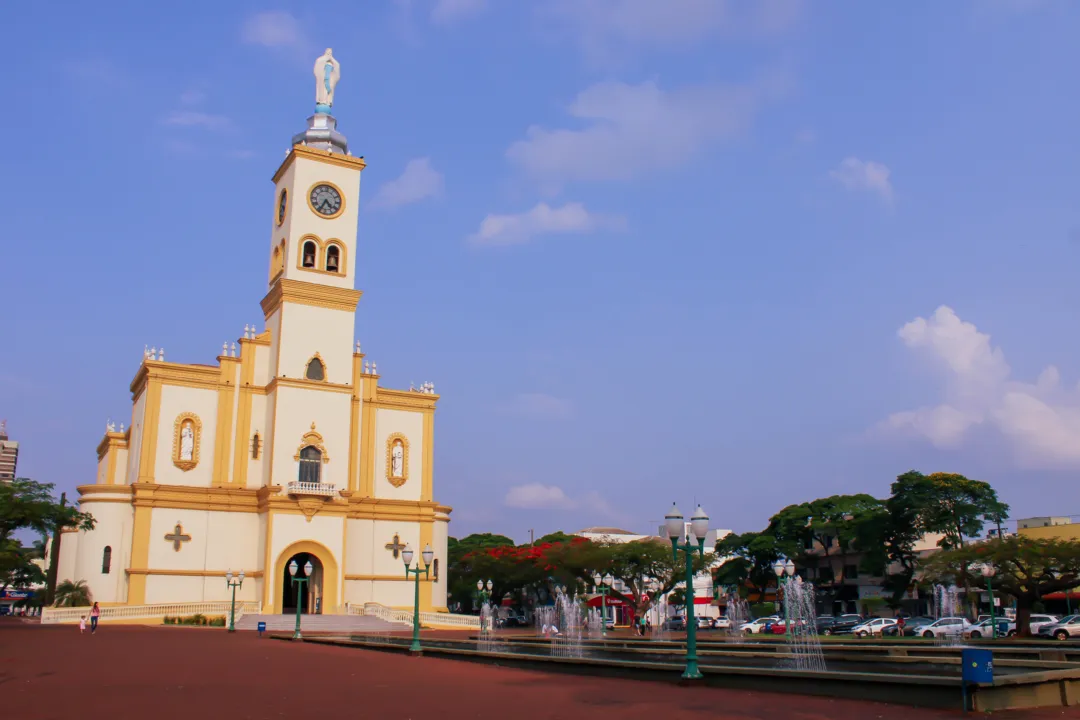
[779, 628]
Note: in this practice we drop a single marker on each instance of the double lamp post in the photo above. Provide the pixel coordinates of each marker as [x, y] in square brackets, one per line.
[407, 555]
[602, 585]
[676, 529]
[781, 568]
[233, 586]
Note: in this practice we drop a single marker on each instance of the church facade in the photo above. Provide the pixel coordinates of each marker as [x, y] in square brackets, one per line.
[286, 448]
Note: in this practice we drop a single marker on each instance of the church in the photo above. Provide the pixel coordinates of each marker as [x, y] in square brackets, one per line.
[286, 448]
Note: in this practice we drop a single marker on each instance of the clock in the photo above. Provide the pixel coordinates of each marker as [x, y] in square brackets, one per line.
[282, 201]
[326, 200]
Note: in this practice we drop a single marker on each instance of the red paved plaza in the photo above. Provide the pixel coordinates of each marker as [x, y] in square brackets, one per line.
[197, 674]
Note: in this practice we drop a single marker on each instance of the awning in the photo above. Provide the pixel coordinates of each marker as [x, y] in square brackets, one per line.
[1074, 594]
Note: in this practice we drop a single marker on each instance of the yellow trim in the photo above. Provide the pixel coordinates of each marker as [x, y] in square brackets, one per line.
[341, 196]
[367, 437]
[241, 460]
[397, 578]
[324, 156]
[342, 258]
[307, 384]
[226, 398]
[397, 480]
[427, 535]
[405, 400]
[305, 293]
[109, 449]
[140, 554]
[321, 247]
[196, 431]
[280, 212]
[268, 582]
[315, 440]
[198, 376]
[330, 572]
[277, 260]
[428, 469]
[191, 573]
[318, 252]
[151, 416]
[354, 422]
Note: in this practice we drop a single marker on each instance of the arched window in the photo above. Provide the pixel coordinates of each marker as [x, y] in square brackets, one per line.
[277, 262]
[309, 252]
[315, 370]
[333, 259]
[310, 462]
[255, 442]
[106, 560]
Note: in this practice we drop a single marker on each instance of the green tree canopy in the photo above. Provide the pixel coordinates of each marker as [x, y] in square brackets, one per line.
[749, 564]
[29, 505]
[949, 504]
[1026, 568]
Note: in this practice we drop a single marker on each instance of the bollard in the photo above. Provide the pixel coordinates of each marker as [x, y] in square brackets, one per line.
[261, 627]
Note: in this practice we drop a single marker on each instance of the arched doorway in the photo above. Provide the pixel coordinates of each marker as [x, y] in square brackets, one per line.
[310, 594]
[324, 568]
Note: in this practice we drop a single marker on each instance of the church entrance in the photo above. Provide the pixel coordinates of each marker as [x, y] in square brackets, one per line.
[309, 595]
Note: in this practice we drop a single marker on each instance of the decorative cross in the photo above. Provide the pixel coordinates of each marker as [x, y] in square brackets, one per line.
[178, 537]
[396, 547]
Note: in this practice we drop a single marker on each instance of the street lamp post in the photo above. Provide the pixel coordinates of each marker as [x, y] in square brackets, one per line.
[233, 585]
[781, 567]
[602, 584]
[988, 572]
[407, 556]
[699, 526]
[298, 583]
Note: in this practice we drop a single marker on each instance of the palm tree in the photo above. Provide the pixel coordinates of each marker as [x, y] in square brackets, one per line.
[73, 594]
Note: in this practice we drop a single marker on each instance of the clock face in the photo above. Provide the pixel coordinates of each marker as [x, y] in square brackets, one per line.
[281, 206]
[325, 200]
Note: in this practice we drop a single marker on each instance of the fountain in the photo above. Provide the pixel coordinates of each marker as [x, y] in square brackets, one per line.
[802, 625]
[571, 623]
[660, 630]
[946, 604]
[738, 614]
[489, 616]
[595, 623]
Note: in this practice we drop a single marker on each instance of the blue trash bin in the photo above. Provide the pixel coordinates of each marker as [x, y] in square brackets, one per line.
[976, 666]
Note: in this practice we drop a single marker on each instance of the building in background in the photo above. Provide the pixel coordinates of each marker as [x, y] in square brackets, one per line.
[1048, 528]
[9, 454]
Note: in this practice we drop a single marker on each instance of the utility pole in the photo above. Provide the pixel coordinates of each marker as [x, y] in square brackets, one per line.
[532, 540]
[54, 559]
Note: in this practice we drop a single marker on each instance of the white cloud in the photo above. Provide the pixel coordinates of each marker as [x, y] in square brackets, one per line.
[634, 129]
[535, 496]
[417, 182]
[1040, 421]
[447, 11]
[856, 174]
[274, 28]
[191, 118]
[192, 97]
[541, 406]
[541, 220]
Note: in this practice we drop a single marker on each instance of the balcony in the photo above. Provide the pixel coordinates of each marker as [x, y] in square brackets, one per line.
[310, 488]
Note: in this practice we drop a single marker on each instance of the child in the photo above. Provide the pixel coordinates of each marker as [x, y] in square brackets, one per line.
[82, 624]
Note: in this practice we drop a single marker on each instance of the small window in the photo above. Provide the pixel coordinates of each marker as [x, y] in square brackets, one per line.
[255, 442]
[309, 252]
[106, 560]
[315, 370]
[333, 258]
[310, 461]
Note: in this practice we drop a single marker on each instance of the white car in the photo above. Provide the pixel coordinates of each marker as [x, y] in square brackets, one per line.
[872, 627]
[721, 623]
[945, 627]
[1038, 622]
[758, 626]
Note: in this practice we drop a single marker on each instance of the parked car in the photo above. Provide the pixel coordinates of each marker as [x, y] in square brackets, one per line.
[721, 623]
[843, 625]
[872, 627]
[1005, 628]
[780, 626]
[758, 626]
[1037, 622]
[945, 627]
[910, 623]
[1065, 628]
[676, 623]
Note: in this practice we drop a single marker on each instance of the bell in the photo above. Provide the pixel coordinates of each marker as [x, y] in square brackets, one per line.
[332, 263]
[309, 260]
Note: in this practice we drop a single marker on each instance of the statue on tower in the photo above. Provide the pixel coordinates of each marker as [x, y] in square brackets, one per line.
[327, 72]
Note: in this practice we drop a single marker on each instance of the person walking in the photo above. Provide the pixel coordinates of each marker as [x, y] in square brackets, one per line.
[82, 624]
[95, 613]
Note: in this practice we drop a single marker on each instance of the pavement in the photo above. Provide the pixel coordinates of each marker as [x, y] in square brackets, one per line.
[205, 673]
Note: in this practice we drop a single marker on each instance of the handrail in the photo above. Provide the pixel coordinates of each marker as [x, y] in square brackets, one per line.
[406, 616]
[57, 615]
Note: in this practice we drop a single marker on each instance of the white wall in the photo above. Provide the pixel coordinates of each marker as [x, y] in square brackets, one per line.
[135, 439]
[176, 399]
[411, 425]
[307, 330]
[296, 409]
[113, 529]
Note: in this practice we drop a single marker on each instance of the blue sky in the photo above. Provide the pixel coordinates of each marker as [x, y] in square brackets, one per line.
[741, 253]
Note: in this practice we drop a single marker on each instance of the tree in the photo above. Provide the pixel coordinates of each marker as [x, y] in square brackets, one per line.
[838, 524]
[29, 505]
[1026, 568]
[73, 594]
[750, 557]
